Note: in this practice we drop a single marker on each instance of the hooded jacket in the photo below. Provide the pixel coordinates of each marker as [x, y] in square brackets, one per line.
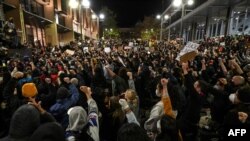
[59, 109]
[48, 132]
[23, 123]
[83, 126]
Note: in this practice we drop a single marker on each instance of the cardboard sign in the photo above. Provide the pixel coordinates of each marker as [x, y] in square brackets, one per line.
[107, 50]
[70, 52]
[188, 52]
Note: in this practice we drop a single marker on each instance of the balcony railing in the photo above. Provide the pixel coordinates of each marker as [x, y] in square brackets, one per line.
[33, 7]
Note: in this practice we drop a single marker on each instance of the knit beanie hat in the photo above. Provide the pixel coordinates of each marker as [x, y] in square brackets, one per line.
[244, 94]
[62, 93]
[29, 90]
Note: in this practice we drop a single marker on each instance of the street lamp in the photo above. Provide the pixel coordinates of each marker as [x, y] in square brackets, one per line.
[166, 17]
[93, 17]
[182, 3]
[102, 16]
[190, 2]
[85, 3]
[74, 4]
[158, 17]
[177, 3]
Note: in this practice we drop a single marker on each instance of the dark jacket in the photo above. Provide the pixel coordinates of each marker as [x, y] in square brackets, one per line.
[191, 116]
[60, 108]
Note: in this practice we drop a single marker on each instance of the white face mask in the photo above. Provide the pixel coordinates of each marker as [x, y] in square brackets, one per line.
[158, 94]
[232, 98]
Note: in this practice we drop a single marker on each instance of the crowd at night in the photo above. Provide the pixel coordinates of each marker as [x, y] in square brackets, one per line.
[67, 74]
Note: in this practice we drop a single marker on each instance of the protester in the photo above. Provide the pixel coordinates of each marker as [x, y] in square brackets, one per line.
[127, 94]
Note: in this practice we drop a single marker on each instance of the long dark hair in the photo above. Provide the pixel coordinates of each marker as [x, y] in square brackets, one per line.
[169, 130]
[116, 109]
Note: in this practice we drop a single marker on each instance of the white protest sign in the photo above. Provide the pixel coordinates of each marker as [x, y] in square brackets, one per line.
[86, 49]
[190, 47]
[107, 50]
[70, 52]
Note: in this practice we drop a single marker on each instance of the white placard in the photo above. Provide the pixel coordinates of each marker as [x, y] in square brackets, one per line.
[86, 49]
[188, 48]
[107, 50]
[70, 52]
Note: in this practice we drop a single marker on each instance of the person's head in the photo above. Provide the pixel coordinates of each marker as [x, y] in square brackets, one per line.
[123, 73]
[51, 131]
[238, 80]
[130, 95]
[62, 93]
[114, 103]
[11, 20]
[168, 129]
[132, 132]
[116, 108]
[220, 84]
[78, 118]
[241, 96]
[24, 121]
[74, 81]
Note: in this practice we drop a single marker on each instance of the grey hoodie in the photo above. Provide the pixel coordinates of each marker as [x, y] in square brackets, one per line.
[78, 119]
[24, 122]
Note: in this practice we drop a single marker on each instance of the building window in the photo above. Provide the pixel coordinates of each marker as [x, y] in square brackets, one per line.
[64, 5]
[34, 7]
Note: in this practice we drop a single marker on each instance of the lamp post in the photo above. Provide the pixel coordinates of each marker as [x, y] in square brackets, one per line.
[101, 19]
[182, 3]
[166, 17]
[74, 4]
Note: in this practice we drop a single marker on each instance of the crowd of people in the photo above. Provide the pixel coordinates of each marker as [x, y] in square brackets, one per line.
[68, 93]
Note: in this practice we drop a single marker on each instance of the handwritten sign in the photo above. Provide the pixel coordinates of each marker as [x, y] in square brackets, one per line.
[188, 52]
[70, 52]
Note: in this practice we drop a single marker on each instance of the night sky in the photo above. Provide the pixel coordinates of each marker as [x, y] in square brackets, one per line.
[128, 12]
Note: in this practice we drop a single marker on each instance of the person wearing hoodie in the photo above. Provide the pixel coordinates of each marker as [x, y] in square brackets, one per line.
[83, 125]
[189, 119]
[233, 119]
[51, 131]
[163, 107]
[26, 120]
[65, 100]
